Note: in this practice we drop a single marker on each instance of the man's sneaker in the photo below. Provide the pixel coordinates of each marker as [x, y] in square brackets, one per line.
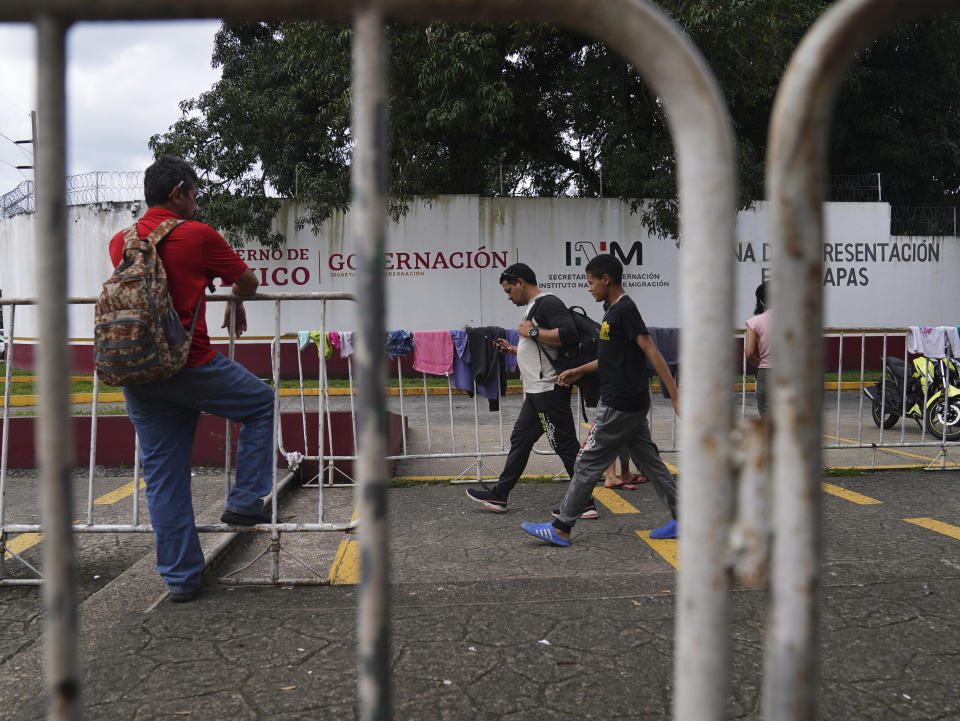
[184, 596]
[235, 518]
[487, 499]
[667, 530]
[591, 512]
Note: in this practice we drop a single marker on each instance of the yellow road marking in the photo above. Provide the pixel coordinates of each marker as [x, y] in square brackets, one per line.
[34, 379]
[32, 400]
[666, 547]
[345, 570]
[939, 526]
[19, 544]
[113, 496]
[851, 496]
[17, 401]
[612, 500]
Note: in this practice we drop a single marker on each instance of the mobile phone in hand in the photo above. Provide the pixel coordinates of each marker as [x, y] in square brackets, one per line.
[497, 343]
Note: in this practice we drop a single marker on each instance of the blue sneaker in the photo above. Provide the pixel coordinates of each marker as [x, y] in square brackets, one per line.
[668, 530]
[545, 532]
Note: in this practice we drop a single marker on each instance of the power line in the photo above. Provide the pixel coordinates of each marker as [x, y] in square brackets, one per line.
[19, 144]
[15, 167]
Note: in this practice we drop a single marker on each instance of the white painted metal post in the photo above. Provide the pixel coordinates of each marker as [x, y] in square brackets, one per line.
[5, 439]
[92, 458]
[59, 588]
[368, 180]
[700, 127]
[706, 178]
[797, 153]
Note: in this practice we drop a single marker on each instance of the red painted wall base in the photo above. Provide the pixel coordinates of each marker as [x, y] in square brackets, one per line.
[256, 358]
[115, 441]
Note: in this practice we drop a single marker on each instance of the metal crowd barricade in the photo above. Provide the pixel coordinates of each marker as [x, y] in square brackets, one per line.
[478, 453]
[700, 127]
[838, 406]
[885, 438]
[796, 172]
[90, 525]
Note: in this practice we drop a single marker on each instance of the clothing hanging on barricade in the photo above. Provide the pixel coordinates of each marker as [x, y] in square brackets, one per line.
[304, 338]
[933, 341]
[487, 363]
[433, 352]
[399, 342]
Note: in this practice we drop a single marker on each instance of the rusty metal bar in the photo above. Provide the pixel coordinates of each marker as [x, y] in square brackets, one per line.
[797, 152]
[369, 185]
[700, 127]
[59, 590]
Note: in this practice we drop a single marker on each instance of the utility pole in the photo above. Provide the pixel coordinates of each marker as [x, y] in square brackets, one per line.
[33, 143]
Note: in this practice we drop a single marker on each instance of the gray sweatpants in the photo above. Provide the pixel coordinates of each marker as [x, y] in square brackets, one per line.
[612, 431]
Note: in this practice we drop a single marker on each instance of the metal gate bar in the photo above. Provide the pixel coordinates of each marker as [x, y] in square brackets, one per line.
[700, 127]
[59, 590]
[797, 152]
[368, 182]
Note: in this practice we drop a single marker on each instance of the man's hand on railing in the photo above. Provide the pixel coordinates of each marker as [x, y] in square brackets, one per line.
[241, 325]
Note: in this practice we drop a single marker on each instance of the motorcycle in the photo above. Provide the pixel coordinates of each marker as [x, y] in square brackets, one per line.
[923, 400]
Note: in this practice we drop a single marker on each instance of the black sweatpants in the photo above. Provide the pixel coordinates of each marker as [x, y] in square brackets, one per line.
[549, 413]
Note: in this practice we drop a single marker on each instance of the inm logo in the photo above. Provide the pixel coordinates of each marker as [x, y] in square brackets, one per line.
[582, 251]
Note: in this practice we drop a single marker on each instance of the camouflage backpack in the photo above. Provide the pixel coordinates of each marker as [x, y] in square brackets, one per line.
[138, 336]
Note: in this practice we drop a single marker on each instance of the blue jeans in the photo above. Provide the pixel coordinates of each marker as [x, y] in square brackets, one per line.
[165, 416]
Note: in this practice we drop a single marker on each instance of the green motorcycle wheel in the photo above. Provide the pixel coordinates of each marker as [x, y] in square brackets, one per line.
[940, 414]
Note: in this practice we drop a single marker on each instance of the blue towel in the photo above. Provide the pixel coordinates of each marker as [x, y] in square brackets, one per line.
[513, 336]
[399, 342]
[462, 376]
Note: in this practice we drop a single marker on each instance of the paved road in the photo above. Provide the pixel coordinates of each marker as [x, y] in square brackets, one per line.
[489, 624]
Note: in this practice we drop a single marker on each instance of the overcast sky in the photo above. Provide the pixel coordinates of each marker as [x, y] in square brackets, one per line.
[124, 84]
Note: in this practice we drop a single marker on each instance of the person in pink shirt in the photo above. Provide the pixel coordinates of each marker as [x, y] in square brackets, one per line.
[757, 347]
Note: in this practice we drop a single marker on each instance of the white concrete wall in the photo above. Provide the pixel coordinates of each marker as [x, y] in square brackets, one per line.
[445, 256]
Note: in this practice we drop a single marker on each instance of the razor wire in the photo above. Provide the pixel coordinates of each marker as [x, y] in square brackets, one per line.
[111, 186]
[21, 199]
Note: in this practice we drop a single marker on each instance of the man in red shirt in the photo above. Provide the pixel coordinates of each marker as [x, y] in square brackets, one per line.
[165, 413]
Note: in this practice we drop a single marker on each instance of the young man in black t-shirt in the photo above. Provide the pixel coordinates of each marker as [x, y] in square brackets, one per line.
[621, 417]
[546, 326]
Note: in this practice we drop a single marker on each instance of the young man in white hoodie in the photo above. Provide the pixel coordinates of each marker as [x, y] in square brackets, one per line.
[546, 326]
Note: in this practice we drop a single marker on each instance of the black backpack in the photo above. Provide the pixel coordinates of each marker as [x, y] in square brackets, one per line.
[585, 349]
[580, 353]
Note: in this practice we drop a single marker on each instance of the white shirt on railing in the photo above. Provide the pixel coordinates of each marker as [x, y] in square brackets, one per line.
[933, 341]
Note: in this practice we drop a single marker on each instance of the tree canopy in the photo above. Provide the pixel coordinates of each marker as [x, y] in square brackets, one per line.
[530, 109]
[897, 114]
